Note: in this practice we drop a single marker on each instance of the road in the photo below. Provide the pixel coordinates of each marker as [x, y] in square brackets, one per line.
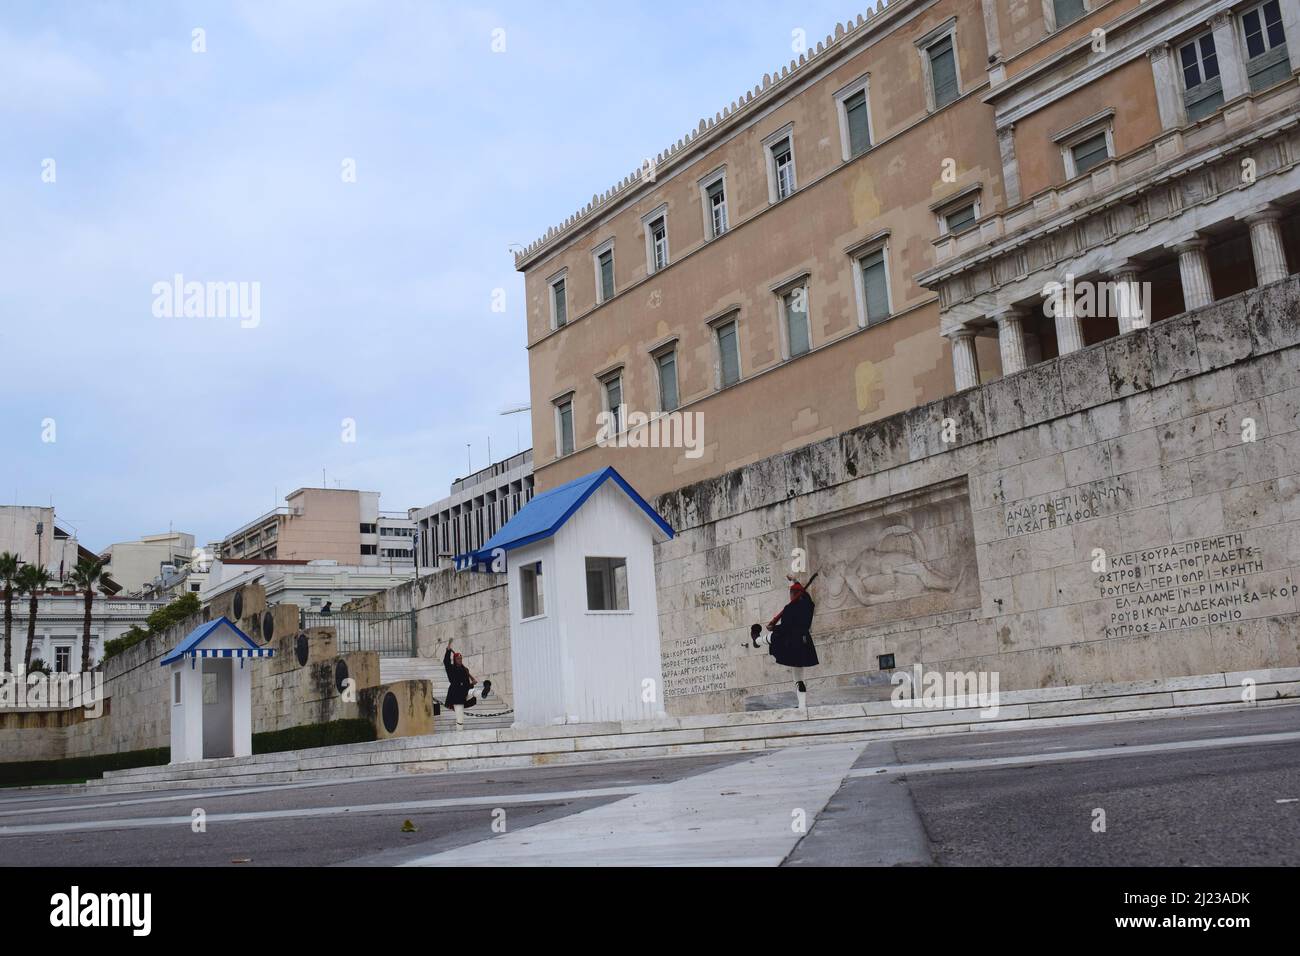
[1204, 790]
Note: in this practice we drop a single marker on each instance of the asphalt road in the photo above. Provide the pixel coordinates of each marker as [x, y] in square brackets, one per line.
[1213, 789]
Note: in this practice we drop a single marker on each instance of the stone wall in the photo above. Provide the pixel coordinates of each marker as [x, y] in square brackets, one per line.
[1128, 511]
[469, 608]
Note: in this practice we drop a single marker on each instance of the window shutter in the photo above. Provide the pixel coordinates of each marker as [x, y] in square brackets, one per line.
[943, 72]
[874, 288]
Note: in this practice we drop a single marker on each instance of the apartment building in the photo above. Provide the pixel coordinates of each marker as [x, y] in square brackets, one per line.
[325, 524]
[877, 223]
[478, 506]
[135, 564]
[34, 534]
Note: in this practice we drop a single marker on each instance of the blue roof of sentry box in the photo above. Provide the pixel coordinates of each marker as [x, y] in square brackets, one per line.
[547, 513]
[190, 645]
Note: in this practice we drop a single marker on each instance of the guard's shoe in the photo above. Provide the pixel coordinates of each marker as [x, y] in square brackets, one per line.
[487, 689]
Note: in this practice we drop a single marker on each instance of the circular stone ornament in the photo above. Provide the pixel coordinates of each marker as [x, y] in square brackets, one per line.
[390, 712]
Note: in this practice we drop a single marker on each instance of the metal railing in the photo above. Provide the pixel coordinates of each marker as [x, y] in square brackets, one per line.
[390, 633]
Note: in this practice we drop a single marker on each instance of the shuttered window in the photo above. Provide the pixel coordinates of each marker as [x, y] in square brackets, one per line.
[795, 307]
[667, 363]
[606, 275]
[855, 111]
[560, 303]
[943, 72]
[1267, 62]
[1067, 11]
[875, 289]
[1202, 86]
[729, 354]
[1089, 153]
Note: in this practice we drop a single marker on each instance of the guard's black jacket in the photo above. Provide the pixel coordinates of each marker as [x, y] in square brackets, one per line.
[792, 643]
[458, 680]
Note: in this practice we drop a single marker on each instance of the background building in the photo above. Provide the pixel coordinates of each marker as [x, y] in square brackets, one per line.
[308, 584]
[32, 533]
[325, 524]
[60, 618]
[135, 564]
[479, 505]
[872, 226]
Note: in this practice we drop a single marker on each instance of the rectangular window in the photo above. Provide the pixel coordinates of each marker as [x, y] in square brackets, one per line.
[667, 363]
[614, 400]
[564, 428]
[794, 305]
[176, 688]
[1090, 152]
[605, 268]
[1067, 11]
[607, 584]
[855, 116]
[1202, 87]
[369, 549]
[531, 602]
[728, 355]
[62, 659]
[1266, 53]
[943, 71]
[659, 242]
[559, 303]
[875, 287]
[716, 198]
[782, 169]
[960, 219]
[367, 528]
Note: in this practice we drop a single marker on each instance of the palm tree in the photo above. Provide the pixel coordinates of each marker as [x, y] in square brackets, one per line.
[85, 576]
[8, 572]
[32, 580]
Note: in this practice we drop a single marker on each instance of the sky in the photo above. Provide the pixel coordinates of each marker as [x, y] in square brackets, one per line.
[365, 169]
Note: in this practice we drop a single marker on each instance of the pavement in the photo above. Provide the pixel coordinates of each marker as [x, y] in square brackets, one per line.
[1203, 790]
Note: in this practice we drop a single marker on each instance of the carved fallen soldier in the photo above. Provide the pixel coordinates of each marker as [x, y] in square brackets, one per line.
[791, 643]
[459, 684]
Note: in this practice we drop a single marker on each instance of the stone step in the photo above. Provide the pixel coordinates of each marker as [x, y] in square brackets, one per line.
[475, 748]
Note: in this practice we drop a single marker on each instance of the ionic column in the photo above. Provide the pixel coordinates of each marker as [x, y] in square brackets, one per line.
[1266, 244]
[1194, 268]
[1130, 307]
[1069, 330]
[965, 364]
[1011, 339]
[1227, 50]
[1169, 95]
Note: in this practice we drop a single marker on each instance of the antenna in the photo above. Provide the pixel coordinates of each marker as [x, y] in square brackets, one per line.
[515, 410]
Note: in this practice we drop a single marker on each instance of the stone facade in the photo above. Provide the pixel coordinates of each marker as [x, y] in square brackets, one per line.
[1125, 512]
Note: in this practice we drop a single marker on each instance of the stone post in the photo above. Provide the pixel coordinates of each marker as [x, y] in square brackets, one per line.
[965, 364]
[1194, 268]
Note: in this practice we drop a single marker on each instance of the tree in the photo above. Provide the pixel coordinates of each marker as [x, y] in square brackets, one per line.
[84, 577]
[8, 573]
[31, 580]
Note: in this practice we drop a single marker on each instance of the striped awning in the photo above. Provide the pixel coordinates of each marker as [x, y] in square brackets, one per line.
[231, 652]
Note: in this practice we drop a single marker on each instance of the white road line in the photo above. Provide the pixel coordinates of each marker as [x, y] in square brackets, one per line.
[744, 814]
[986, 763]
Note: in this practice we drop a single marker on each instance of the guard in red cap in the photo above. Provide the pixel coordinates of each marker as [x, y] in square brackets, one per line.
[459, 684]
[791, 643]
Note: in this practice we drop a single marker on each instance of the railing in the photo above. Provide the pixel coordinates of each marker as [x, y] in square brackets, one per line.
[389, 633]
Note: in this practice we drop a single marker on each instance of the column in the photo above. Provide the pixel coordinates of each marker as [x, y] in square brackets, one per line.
[1232, 67]
[1011, 339]
[1129, 298]
[1069, 330]
[1291, 27]
[1266, 243]
[1194, 268]
[1169, 92]
[965, 365]
[1010, 165]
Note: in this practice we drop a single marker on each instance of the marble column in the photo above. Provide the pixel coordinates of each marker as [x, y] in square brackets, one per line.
[965, 364]
[1227, 50]
[1069, 330]
[1266, 244]
[1169, 91]
[1194, 268]
[1130, 302]
[1011, 339]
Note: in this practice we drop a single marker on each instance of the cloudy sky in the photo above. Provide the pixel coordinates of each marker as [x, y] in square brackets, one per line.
[127, 158]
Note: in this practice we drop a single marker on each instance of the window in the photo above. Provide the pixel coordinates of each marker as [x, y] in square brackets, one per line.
[604, 260]
[666, 362]
[794, 314]
[780, 164]
[195, 587]
[531, 602]
[369, 549]
[715, 204]
[613, 388]
[855, 118]
[728, 355]
[872, 280]
[655, 225]
[938, 54]
[62, 659]
[1091, 152]
[1065, 12]
[176, 687]
[559, 301]
[1266, 53]
[607, 584]
[367, 528]
[1202, 87]
[961, 218]
[564, 427]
